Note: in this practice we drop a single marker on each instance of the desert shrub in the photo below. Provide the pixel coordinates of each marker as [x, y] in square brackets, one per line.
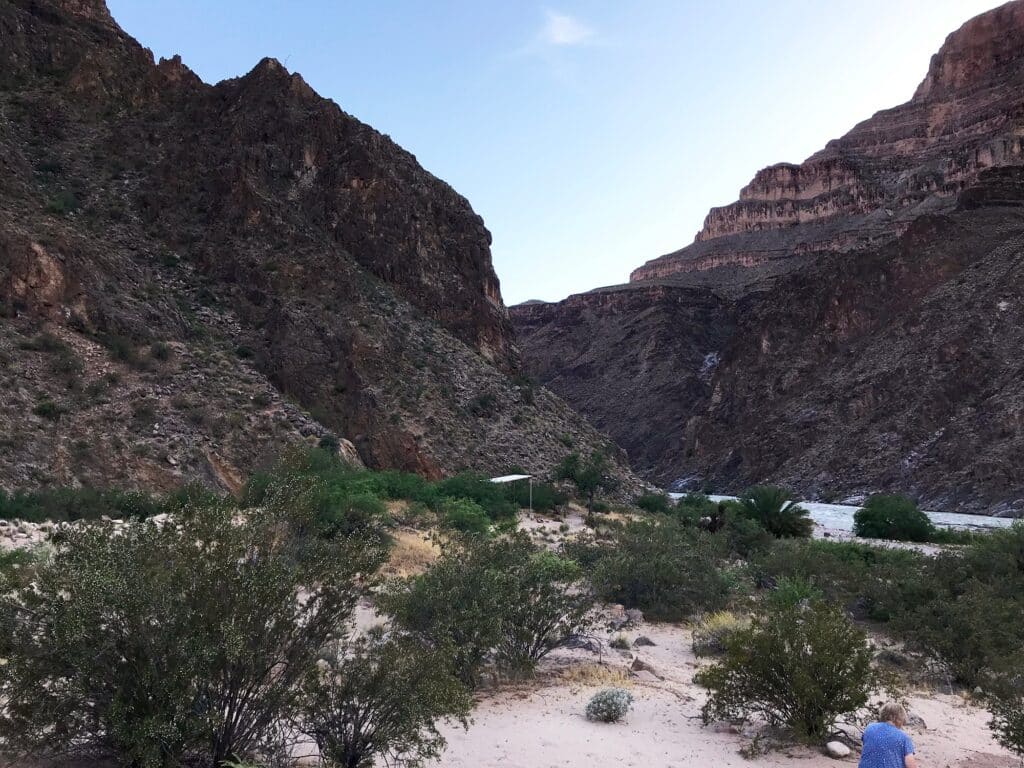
[609, 705]
[174, 643]
[776, 511]
[465, 516]
[655, 503]
[874, 579]
[328, 443]
[545, 497]
[589, 475]
[550, 606]
[342, 512]
[791, 592]
[714, 630]
[890, 516]
[744, 537]
[160, 350]
[484, 597]
[619, 642]
[382, 699]
[965, 609]
[63, 504]
[479, 489]
[800, 667]
[1006, 704]
[691, 508]
[667, 570]
[48, 409]
[62, 203]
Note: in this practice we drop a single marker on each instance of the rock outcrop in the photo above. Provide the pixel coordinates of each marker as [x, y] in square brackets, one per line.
[194, 276]
[851, 324]
[865, 188]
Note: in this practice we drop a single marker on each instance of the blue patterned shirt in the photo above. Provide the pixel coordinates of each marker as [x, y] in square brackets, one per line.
[885, 746]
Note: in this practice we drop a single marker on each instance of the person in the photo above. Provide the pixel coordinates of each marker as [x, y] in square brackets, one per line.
[885, 743]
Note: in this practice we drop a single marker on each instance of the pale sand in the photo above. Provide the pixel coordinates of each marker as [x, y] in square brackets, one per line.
[542, 724]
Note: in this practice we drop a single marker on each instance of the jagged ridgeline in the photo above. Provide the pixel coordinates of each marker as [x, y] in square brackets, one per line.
[851, 323]
[194, 276]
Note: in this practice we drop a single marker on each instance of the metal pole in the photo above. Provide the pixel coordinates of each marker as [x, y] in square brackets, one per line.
[531, 495]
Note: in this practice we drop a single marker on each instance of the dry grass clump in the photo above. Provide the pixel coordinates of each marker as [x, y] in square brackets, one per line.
[411, 553]
[590, 674]
[714, 629]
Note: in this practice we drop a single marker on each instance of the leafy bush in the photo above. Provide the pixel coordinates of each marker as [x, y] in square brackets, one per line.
[800, 667]
[160, 350]
[667, 570]
[714, 630]
[609, 705]
[62, 203]
[48, 409]
[545, 497]
[484, 597]
[789, 593]
[872, 579]
[465, 516]
[342, 512]
[886, 516]
[965, 609]
[62, 504]
[167, 644]
[776, 511]
[1006, 704]
[655, 503]
[588, 475]
[490, 496]
[381, 699]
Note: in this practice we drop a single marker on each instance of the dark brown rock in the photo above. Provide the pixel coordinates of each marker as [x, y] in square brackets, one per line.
[308, 276]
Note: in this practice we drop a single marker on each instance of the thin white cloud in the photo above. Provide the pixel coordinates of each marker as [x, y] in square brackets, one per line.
[563, 30]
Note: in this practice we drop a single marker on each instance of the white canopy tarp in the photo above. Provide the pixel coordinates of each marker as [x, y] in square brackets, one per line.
[510, 478]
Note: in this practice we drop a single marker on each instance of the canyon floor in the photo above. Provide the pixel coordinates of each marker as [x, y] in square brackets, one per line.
[542, 724]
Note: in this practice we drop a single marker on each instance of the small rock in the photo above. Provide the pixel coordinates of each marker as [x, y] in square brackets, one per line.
[850, 734]
[643, 666]
[837, 750]
[172, 461]
[643, 640]
[916, 722]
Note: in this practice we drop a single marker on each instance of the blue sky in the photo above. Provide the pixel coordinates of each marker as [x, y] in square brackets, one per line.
[590, 136]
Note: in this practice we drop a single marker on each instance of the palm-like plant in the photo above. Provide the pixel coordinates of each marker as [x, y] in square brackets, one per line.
[775, 509]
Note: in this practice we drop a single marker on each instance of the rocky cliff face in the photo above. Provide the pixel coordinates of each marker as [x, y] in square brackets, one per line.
[194, 276]
[850, 324]
[865, 188]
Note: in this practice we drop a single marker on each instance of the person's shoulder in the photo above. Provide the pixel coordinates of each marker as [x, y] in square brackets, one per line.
[874, 727]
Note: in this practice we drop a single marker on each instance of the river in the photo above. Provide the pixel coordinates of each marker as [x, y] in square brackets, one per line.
[839, 517]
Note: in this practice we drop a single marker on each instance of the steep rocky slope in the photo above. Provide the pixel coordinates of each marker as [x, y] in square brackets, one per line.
[866, 188]
[851, 324]
[194, 276]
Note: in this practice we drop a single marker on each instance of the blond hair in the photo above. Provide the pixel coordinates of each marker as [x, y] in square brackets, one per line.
[892, 713]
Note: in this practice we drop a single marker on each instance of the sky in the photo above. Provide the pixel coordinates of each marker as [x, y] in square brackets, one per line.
[591, 136]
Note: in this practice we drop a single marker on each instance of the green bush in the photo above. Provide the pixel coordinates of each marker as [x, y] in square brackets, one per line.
[465, 516]
[669, 571]
[872, 579]
[63, 504]
[655, 503]
[886, 516]
[491, 496]
[965, 609]
[1006, 704]
[342, 512]
[381, 700]
[484, 597]
[171, 644]
[609, 705]
[48, 409]
[776, 511]
[590, 475]
[790, 593]
[801, 667]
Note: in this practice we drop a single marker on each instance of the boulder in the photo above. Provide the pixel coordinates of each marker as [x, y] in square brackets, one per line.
[643, 640]
[837, 750]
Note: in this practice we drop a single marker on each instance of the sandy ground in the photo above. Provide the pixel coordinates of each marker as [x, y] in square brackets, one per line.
[542, 724]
